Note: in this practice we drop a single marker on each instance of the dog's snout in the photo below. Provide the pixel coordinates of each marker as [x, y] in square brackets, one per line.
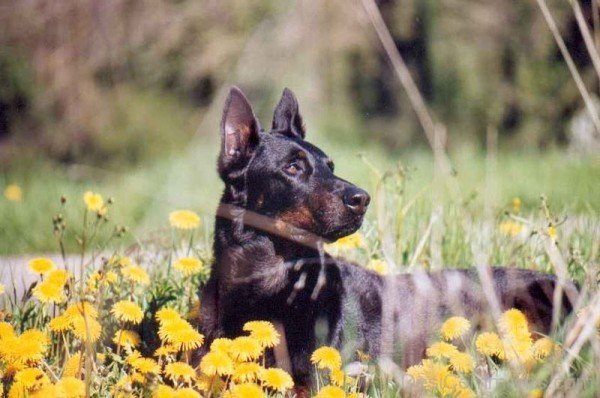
[356, 200]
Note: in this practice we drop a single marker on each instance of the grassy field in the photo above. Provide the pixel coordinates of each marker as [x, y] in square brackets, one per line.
[530, 210]
[146, 193]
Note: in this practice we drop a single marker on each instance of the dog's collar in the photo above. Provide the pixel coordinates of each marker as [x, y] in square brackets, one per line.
[270, 225]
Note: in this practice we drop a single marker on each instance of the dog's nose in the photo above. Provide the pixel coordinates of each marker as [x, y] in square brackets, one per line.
[356, 200]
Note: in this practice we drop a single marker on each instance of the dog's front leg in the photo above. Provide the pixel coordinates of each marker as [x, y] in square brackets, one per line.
[300, 337]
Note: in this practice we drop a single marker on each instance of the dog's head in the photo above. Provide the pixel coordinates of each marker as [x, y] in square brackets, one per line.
[280, 175]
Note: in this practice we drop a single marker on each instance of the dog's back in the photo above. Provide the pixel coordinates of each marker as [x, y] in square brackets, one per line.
[402, 313]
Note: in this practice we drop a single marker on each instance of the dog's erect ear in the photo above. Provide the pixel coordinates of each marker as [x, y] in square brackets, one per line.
[287, 119]
[239, 133]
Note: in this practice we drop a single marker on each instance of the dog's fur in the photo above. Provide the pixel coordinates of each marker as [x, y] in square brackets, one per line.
[281, 195]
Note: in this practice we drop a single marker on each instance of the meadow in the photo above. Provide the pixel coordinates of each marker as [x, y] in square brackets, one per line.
[117, 316]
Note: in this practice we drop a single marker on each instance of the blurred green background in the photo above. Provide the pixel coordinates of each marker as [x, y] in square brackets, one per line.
[123, 97]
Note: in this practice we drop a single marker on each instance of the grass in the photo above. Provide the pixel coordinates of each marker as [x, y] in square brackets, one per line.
[146, 193]
[401, 214]
[422, 225]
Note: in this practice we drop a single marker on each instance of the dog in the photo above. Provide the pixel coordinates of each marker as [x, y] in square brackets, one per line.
[281, 201]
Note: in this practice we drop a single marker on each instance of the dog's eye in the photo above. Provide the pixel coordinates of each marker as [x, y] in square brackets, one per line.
[293, 168]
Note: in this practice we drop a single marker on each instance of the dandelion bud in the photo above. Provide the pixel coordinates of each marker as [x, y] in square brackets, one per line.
[63, 199]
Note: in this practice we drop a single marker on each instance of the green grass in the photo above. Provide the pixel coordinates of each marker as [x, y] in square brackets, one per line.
[146, 194]
[403, 204]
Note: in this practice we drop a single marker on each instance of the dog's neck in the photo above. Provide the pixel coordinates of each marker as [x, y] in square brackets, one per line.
[238, 225]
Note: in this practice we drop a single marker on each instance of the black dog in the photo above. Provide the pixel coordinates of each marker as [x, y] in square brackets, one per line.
[280, 181]
[281, 200]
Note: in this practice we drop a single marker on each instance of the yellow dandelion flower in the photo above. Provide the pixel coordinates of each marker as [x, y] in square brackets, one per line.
[330, 392]
[186, 339]
[462, 362]
[247, 390]
[551, 232]
[121, 261]
[136, 274]
[180, 371]
[93, 280]
[131, 358]
[86, 329]
[93, 201]
[73, 366]
[216, 363]
[81, 309]
[47, 390]
[111, 277]
[48, 292]
[163, 391]
[517, 338]
[40, 265]
[188, 265]
[490, 344]
[186, 392]
[536, 393]
[58, 277]
[13, 193]
[464, 392]
[379, 266]
[71, 387]
[511, 228]
[326, 357]
[137, 377]
[454, 327]
[127, 311]
[514, 322]
[544, 347]
[30, 346]
[165, 315]
[441, 350]
[277, 379]
[206, 383]
[165, 350]
[180, 334]
[2, 288]
[415, 372]
[146, 365]
[245, 348]
[346, 243]
[437, 377]
[6, 331]
[126, 338]
[246, 372]
[184, 219]
[31, 378]
[60, 323]
[516, 205]
[221, 344]
[264, 332]
[98, 278]
[337, 377]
